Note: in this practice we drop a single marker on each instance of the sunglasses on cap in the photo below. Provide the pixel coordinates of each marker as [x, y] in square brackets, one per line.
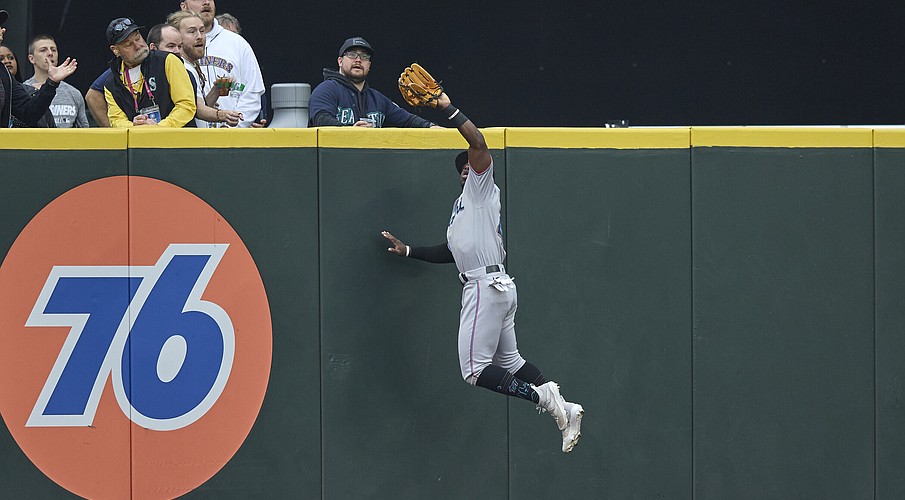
[122, 26]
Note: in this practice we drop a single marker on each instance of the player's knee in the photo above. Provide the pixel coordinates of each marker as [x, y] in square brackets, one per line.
[471, 371]
[512, 362]
[471, 378]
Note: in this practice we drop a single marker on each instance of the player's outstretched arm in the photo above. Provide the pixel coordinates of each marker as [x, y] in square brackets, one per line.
[439, 254]
[478, 154]
[419, 88]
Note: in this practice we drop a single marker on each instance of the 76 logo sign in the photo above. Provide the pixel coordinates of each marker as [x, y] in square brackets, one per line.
[169, 352]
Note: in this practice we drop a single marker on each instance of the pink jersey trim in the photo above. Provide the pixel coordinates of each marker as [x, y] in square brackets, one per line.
[474, 326]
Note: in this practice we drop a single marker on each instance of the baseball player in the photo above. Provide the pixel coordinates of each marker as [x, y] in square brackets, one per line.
[488, 353]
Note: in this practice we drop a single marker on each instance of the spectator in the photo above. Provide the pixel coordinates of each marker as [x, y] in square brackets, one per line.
[15, 99]
[144, 87]
[8, 59]
[188, 26]
[68, 106]
[344, 97]
[229, 22]
[164, 37]
[229, 55]
[97, 104]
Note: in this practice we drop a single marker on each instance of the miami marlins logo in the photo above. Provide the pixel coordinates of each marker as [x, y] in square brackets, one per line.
[458, 206]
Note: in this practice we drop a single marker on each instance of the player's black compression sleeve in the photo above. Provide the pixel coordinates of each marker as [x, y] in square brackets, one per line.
[439, 254]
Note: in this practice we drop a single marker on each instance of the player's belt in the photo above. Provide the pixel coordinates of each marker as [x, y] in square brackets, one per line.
[463, 278]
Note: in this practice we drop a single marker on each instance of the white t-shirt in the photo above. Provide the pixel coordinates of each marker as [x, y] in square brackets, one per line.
[201, 88]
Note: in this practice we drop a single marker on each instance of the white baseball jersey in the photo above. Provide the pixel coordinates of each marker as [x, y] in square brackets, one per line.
[489, 300]
[474, 235]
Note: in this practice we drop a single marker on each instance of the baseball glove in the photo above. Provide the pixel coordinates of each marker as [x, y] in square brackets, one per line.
[418, 87]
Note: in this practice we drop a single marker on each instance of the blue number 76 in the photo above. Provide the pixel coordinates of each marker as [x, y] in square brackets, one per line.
[169, 352]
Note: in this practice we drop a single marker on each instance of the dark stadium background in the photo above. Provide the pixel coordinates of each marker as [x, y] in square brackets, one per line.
[541, 63]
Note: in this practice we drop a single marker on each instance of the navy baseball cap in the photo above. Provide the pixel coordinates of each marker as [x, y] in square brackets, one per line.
[461, 160]
[356, 41]
[4, 15]
[120, 28]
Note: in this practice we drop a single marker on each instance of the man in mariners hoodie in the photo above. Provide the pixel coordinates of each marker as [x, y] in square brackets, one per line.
[344, 98]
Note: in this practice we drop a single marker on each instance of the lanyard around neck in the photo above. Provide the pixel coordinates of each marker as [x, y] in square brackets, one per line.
[144, 87]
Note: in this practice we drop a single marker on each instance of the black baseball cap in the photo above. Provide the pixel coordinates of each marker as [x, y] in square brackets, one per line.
[461, 160]
[4, 15]
[356, 41]
[120, 28]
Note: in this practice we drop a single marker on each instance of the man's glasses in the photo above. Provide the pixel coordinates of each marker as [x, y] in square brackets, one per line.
[364, 56]
[122, 26]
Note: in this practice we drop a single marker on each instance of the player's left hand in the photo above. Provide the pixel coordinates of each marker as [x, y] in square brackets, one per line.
[398, 248]
[61, 72]
[443, 101]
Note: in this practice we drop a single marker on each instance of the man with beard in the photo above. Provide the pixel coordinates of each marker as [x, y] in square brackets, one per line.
[333, 105]
[145, 87]
[189, 28]
[230, 59]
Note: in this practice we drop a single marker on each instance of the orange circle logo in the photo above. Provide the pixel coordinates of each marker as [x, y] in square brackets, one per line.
[136, 339]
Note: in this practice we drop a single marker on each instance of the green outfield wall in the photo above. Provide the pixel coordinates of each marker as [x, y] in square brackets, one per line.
[726, 303]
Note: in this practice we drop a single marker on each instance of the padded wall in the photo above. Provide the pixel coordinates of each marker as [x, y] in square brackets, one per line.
[725, 303]
[599, 245]
[783, 314]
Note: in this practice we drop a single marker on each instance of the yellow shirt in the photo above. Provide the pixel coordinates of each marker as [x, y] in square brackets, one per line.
[181, 93]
